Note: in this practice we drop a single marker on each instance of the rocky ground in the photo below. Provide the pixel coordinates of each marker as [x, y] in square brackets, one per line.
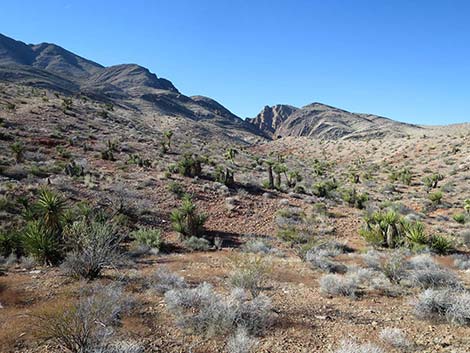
[305, 319]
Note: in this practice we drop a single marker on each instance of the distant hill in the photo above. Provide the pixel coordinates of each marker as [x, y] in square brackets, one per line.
[322, 121]
[132, 86]
[50, 66]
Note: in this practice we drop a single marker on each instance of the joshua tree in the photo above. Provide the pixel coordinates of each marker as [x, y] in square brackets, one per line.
[279, 169]
[18, 150]
[168, 135]
[270, 165]
[466, 205]
[230, 154]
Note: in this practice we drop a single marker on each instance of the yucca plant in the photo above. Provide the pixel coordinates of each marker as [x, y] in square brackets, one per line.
[466, 206]
[186, 220]
[230, 154]
[440, 244]
[168, 135]
[431, 181]
[435, 197]
[41, 244]
[51, 208]
[415, 235]
[18, 151]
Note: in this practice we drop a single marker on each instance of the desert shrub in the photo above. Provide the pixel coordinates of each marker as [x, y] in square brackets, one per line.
[459, 218]
[354, 347]
[435, 197]
[431, 181]
[392, 265]
[241, 342]
[176, 188]
[319, 256]
[186, 220]
[433, 277]
[324, 188]
[440, 244]
[164, 280]
[18, 150]
[120, 347]
[93, 245]
[150, 237]
[258, 246]
[88, 324]
[190, 165]
[41, 243]
[334, 284]
[10, 242]
[224, 175]
[415, 235]
[354, 199]
[444, 304]
[462, 262]
[50, 208]
[249, 274]
[197, 244]
[395, 338]
[206, 312]
[383, 228]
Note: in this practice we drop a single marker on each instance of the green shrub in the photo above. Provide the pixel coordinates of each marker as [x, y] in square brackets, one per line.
[435, 197]
[324, 188]
[224, 176]
[186, 220]
[92, 246]
[459, 218]
[177, 189]
[354, 199]
[190, 166]
[197, 244]
[431, 181]
[148, 236]
[10, 242]
[18, 150]
[41, 243]
[440, 244]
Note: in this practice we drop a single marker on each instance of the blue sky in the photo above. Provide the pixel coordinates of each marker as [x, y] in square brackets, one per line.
[407, 60]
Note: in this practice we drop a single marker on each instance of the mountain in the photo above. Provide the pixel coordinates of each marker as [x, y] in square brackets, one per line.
[270, 118]
[132, 86]
[322, 121]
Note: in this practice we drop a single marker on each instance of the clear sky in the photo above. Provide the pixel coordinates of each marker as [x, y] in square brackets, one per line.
[405, 59]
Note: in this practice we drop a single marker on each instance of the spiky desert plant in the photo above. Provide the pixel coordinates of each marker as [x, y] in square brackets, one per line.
[270, 164]
[186, 220]
[230, 154]
[466, 205]
[18, 151]
[51, 208]
[168, 135]
[279, 169]
[431, 181]
[41, 243]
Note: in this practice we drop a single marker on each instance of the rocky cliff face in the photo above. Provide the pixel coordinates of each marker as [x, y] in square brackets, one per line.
[270, 118]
